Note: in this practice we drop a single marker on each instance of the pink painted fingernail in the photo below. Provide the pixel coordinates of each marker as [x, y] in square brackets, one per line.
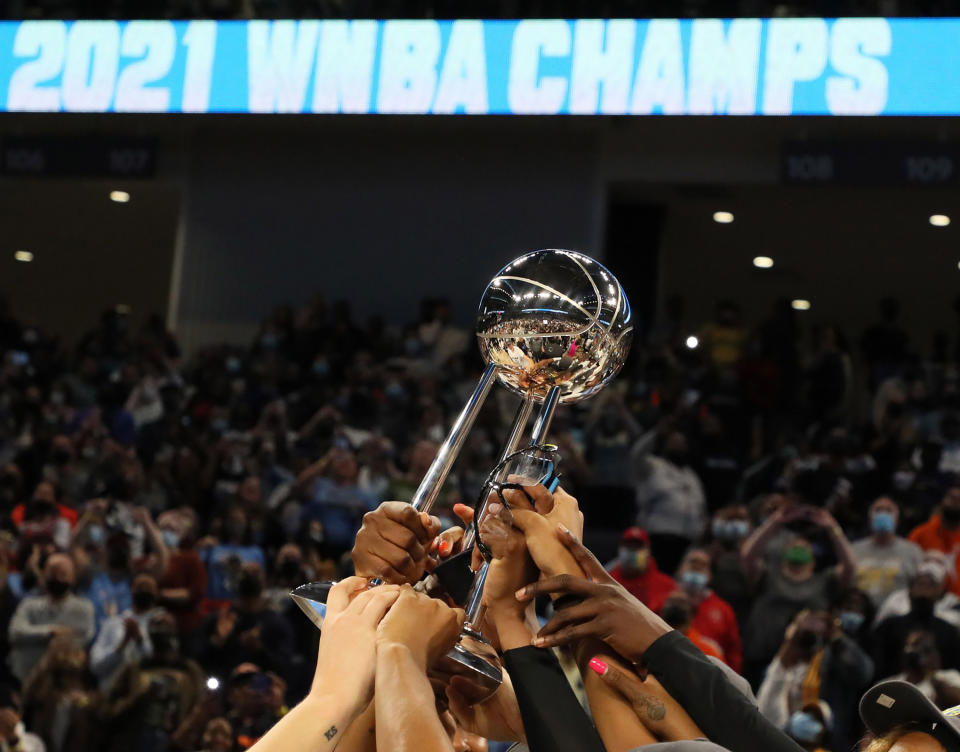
[539, 641]
[599, 666]
[445, 547]
[494, 508]
[520, 593]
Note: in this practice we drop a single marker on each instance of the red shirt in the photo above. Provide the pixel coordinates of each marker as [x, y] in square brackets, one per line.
[933, 536]
[186, 570]
[653, 586]
[70, 515]
[706, 646]
[715, 619]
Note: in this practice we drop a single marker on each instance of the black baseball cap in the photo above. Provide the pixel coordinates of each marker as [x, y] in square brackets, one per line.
[890, 704]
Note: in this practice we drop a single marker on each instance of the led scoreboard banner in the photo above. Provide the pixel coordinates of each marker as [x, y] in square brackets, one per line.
[810, 66]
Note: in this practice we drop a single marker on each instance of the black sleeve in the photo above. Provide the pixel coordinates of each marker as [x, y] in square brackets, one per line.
[722, 712]
[552, 718]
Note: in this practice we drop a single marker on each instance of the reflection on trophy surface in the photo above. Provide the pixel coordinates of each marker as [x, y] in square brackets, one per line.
[554, 326]
[554, 318]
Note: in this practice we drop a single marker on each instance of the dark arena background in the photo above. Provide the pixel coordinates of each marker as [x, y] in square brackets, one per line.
[242, 249]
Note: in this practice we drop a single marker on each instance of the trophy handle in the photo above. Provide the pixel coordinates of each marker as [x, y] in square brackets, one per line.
[433, 480]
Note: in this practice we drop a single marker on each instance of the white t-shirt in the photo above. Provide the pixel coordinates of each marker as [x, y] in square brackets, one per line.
[883, 569]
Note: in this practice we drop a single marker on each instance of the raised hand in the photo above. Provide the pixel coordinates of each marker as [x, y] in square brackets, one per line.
[540, 524]
[427, 626]
[394, 542]
[511, 567]
[606, 611]
[347, 656]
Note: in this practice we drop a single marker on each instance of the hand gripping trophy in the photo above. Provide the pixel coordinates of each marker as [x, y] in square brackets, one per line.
[554, 327]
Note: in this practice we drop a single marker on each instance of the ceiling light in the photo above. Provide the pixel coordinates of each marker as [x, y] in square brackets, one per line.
[24, 256]
[692, 342]
[121, 197]
[762, 262]
[800, 304]
[213, 683]
[723, 217]
[939, 220]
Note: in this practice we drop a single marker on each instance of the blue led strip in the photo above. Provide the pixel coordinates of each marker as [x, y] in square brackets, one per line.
[810, 66]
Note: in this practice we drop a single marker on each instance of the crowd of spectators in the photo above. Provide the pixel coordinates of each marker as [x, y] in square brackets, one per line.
[793, 509]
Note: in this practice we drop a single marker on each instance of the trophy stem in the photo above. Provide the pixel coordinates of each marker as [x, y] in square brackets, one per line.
[440, 467]
[550, 403]
[512, 444]
[473, 608]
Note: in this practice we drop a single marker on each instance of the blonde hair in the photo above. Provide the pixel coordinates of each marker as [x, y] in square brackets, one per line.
[885, 743]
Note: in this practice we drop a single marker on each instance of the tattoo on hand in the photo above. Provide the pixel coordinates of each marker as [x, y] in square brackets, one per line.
[330, 733]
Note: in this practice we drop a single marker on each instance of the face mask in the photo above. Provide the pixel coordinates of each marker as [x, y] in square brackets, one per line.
[394, 390]
[56, 398]
[851, 621]
[57, 588]
[883, 522]
[143, 600]
[722, 530]
[903, 479]
[804, 727]
[117, 558]
[219, 425]
[951, 514]
[233, 364]
[921, 606]
[677, 458]
[694, 580]
[633, 558]
[798, 555]
[269, 340]
[170, 538]
[96, 535]
[88, 452]
[248, 586]
[320, 368]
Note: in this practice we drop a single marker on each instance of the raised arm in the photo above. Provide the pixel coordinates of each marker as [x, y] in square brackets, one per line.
[343, 683]
[417, 631]
[846, 561]
[753, 548]
[608, 612]
[552, 717]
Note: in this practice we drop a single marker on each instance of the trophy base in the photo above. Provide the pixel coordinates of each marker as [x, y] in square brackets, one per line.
[484, 676]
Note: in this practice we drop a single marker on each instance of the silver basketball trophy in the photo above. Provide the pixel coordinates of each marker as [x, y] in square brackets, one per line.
[554, 327]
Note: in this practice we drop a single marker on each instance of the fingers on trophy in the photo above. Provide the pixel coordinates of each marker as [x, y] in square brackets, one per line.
[554, 327]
